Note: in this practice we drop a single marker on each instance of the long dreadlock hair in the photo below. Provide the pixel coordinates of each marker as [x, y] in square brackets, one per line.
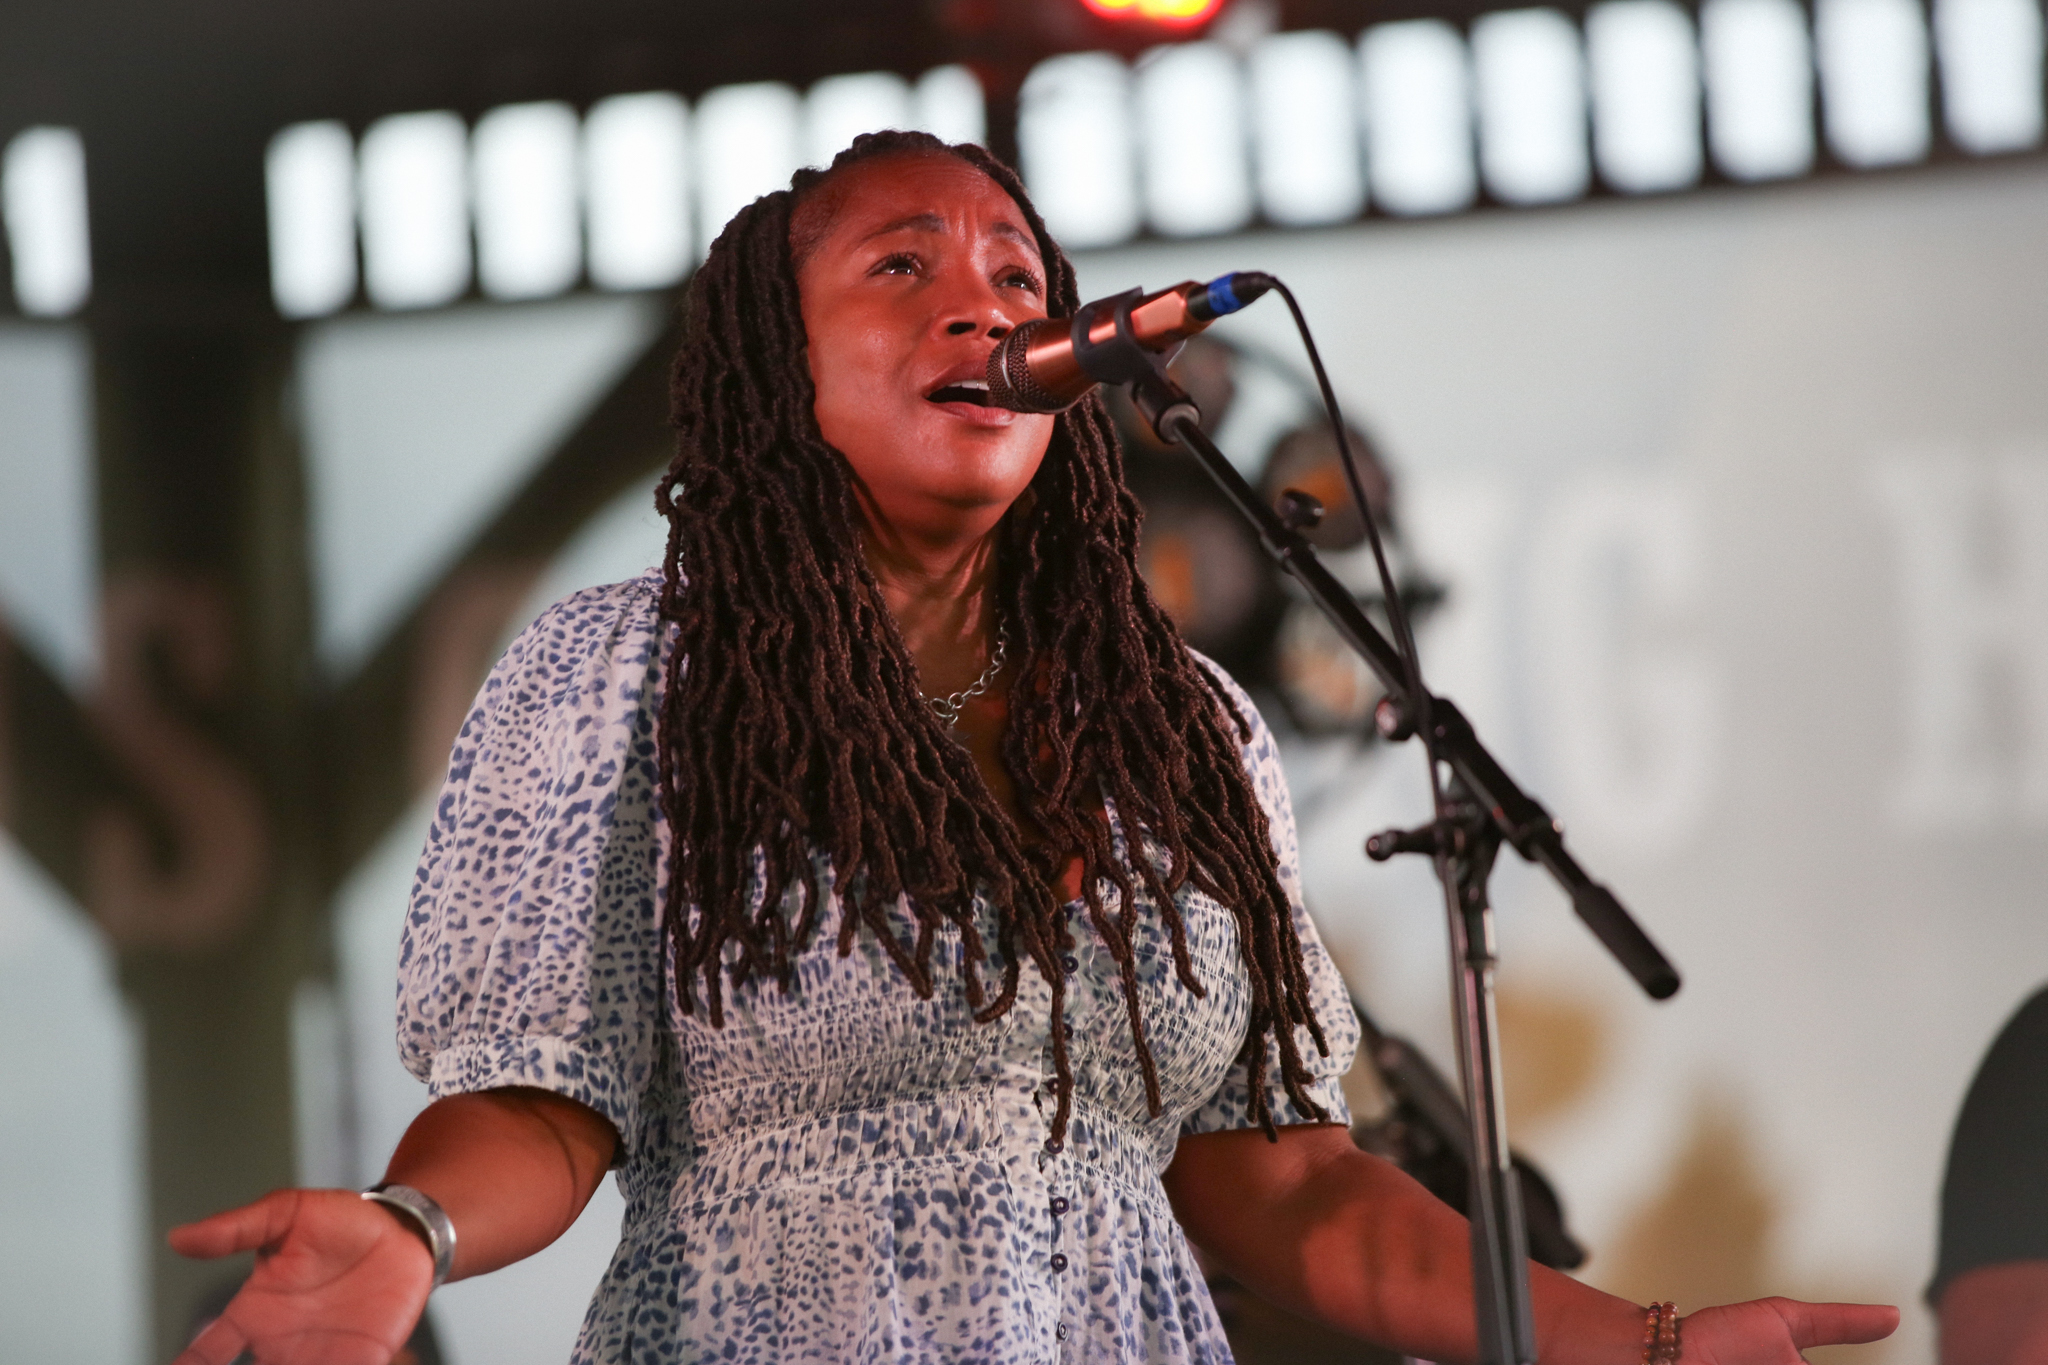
[793, 728]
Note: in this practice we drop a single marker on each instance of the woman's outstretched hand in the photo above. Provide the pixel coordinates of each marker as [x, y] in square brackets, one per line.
[1775, 1331]
[338, 1280]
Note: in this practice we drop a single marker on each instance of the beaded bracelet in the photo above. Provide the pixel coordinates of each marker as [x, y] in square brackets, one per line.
[1660, 1334]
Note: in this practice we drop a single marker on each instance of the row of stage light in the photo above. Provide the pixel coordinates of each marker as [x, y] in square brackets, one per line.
[1304, 129]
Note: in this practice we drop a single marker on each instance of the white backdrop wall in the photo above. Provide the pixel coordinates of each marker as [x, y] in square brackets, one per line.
[1743, 502]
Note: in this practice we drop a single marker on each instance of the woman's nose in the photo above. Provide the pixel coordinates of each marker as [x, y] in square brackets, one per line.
[977, 308]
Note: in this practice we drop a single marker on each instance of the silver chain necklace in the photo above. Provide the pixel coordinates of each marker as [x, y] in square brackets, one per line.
[948, 708]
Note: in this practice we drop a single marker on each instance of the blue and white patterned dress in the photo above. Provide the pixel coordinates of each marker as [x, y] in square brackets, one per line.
[845, 1172]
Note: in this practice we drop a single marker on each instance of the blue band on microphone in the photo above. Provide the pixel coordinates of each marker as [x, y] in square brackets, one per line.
[1222, 298]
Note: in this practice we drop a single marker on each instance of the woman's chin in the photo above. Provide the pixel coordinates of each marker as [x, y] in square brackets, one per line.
[973, 484]
[940, 519]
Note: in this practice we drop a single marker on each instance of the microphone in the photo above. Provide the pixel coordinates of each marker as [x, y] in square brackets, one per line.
[1050, 363]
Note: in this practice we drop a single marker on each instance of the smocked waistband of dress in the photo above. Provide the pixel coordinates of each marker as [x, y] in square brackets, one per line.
[1107, 1144]
[993, 1123]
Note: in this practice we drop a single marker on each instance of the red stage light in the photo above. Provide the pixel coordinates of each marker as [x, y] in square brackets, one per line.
[1170, 13]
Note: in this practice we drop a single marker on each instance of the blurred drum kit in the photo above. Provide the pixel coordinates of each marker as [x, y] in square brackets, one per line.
[1202, 563]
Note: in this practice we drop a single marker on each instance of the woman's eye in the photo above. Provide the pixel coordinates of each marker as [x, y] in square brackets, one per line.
[902, 263]
[1023, 279]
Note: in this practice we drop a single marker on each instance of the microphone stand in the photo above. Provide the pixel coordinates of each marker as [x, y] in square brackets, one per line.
[1426, 1133]
[1483, 810]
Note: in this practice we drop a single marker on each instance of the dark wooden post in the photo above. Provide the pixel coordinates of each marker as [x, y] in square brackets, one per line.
[205, 879]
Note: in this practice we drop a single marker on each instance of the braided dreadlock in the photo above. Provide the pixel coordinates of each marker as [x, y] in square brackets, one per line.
[797, 756]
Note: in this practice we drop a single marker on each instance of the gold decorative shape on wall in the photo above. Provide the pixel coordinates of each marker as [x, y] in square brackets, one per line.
[1704, 1236]
[1554, 1048]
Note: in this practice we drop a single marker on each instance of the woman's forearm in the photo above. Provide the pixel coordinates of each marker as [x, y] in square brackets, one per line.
[512, 1168]
[1349, 1240]
[1416, 1253]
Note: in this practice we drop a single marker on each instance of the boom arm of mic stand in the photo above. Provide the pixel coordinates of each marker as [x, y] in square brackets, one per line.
[1524, 824]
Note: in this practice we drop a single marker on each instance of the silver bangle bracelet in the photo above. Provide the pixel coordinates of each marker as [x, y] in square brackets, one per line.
[431, 1217]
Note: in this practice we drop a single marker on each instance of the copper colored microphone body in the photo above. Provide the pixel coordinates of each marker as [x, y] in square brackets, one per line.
[1034, 369]
[1037, 367]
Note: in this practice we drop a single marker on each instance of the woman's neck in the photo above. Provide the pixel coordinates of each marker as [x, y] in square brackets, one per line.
[943, 600]
[945, 606]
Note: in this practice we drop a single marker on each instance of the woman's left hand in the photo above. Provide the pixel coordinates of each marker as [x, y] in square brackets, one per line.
[1775, 1331]
[1346, 1239]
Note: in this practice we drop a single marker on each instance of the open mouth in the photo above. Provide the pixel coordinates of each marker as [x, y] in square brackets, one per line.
[965, 391]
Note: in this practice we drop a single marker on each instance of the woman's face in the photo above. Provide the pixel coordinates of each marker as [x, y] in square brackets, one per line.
[925, 264]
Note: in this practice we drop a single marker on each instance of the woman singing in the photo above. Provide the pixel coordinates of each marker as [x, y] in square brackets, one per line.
[885, 892]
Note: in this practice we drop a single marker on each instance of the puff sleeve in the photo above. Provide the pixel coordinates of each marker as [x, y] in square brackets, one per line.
[533, 952]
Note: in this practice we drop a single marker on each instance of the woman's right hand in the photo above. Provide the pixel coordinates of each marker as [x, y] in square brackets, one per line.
[339, 1280]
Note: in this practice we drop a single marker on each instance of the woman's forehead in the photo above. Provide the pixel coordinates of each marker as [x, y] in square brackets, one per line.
[917, 192]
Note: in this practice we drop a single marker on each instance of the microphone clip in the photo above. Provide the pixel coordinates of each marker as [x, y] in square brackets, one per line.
[1119, 358]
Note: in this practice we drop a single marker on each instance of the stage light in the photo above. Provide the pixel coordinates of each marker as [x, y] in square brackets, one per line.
[1074, 139]
[309, 176]
[951, 106]
[1873, 79]
[42, 195]
[749, 143]
[1532, 105]
[1305, 129]
[1167, 13]
[1990, 72]
[1759, 79]
[1418, 116]
[415, 210]
[839, 109]
[49, 504]
[1644, 65]
[529, 238]
[1191, 120]
[636, 157]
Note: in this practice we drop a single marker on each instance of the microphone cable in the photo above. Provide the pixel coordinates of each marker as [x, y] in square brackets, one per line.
[1420, 711]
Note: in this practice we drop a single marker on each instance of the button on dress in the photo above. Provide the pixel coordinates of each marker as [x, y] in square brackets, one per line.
[843, 1172]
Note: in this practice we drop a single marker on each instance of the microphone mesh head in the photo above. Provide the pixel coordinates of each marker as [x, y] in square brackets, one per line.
[1010, 384]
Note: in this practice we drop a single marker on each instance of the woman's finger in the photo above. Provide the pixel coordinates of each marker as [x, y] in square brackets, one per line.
[1834, 1324]
[218, 1344]
[243, 1229]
